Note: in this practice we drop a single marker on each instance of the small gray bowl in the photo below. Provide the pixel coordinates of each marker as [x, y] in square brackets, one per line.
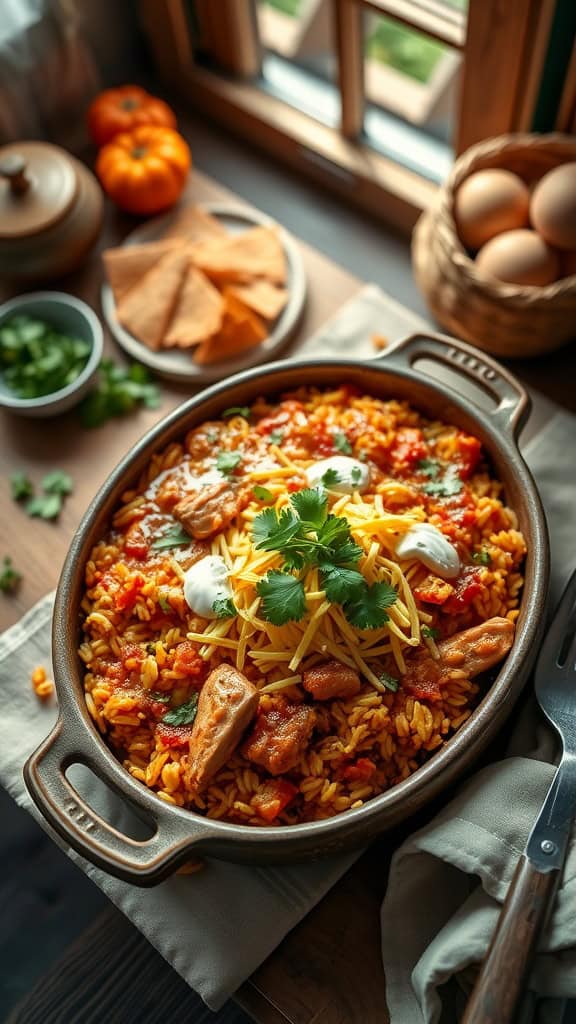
[71, 316]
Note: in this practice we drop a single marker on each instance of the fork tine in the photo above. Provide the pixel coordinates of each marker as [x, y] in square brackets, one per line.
[562, 619]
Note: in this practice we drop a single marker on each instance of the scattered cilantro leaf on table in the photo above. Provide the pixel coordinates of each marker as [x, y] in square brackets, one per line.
[45, 506]
[341, 443]
[120, 389]
[184, 714]
[9, 576]
[226, 461]
[21, 486]
[57, 482]
[224, 608]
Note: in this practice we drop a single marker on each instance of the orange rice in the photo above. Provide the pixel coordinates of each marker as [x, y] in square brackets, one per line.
[140, 634]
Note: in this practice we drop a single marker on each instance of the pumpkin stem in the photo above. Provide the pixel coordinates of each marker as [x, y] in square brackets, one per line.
[138, 152]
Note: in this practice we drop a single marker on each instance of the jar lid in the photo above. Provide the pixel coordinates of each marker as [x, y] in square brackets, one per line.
[38, 185]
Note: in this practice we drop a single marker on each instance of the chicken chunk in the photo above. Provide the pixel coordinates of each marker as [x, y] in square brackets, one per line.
[331, 679]
[473, 651]
[280, 735]
[209, 510]
[226, 706]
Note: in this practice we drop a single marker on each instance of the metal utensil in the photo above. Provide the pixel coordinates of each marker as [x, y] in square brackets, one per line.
[502, 978]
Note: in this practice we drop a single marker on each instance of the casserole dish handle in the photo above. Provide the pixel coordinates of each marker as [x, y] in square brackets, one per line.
[141, 862]
[512, 402]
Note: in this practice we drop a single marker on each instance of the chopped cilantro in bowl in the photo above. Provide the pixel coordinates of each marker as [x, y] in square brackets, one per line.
[50, 347]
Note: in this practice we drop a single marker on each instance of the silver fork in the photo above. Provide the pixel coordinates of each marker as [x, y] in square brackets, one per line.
[503, 975]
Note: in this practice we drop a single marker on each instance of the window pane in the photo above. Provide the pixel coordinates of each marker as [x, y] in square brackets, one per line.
[411, 83]
[299, 62]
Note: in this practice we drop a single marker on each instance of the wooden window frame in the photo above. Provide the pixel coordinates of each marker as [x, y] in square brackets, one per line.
[504, 49]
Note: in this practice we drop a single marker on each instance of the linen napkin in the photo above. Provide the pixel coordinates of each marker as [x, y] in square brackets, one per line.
[448, 881]
[194, 921]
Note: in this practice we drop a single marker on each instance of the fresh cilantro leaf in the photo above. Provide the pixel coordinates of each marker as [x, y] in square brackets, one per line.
[226, 462]
[341, 584]
[184, 714]
[430, 634]
[482, 557]
[21, 486]
[164, 603]
[356, 475]
[390, 682]
[331, 476]
[271, 532]
[341, 443]
[9, 577]
[334, 532]
[346, 554]
[449, 485]
[173, 538]
[430, 467]
[263, 494]
[45, 506]
[283, 597]
[162, 698]
[237, 410]
[367, 608]
[57, 482]
[224, 608]
[276, 437]
[311, 504]
[119, 391]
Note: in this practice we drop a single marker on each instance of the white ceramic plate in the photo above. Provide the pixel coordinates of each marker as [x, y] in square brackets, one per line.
[179, 365]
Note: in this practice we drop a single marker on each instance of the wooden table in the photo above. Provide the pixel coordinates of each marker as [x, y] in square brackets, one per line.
[328, 970]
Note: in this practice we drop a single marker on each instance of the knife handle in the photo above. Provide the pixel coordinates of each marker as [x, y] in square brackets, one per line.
[503, 975]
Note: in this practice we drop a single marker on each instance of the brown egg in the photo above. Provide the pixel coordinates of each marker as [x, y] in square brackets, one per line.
[553, 206]
[489, 202]
[519, 257]
[567, 264]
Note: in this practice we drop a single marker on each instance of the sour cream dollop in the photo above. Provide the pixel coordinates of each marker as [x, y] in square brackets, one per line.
[206, 582]
[426, 543]
[353, 475]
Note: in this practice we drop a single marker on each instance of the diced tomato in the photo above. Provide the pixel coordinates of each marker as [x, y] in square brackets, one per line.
[408, 447]
[126, 597]
[466, 587]
[362, 770]
[294, 484]
[133, 652]
[423, 688]
[469, 451]
[173, 735]
[285, 415]
[273, 797]
[135, 543]
[433, 590]
[187, 659]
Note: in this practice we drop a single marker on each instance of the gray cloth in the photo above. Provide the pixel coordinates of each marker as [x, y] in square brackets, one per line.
[448, 880]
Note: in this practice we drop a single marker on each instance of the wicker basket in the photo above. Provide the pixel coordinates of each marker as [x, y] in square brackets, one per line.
[508, 320]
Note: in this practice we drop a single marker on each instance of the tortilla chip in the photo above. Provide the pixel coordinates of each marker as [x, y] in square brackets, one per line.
[241, 330]
[126, 264]
[257, 252]
[146, 309]
[195, 225]
[261, 296]
[198, 312]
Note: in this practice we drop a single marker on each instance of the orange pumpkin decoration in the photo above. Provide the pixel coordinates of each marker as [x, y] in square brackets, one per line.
[123, 109]
[144, 171]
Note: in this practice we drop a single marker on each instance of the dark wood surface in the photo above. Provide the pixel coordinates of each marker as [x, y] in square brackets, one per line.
[328, 970]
